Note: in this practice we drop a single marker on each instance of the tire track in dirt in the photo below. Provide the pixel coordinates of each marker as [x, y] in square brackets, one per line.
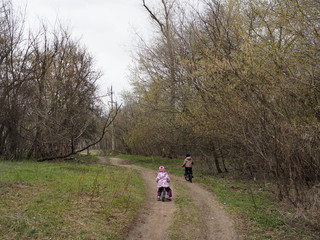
[219, 226]
[155, 217]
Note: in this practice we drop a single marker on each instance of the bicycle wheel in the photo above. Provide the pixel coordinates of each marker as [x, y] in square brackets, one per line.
[190, 177]
[163, 195]
[186, 177]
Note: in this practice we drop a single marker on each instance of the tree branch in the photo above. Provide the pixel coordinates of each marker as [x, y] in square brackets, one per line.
[153, 16]
[111, 117]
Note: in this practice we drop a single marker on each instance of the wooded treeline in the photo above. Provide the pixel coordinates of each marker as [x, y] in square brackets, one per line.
[231, 81]
[48, 92]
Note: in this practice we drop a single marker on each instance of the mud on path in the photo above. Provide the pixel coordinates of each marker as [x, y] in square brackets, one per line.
[155, 217]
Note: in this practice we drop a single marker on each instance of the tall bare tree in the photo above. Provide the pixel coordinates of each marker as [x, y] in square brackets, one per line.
[48, 93]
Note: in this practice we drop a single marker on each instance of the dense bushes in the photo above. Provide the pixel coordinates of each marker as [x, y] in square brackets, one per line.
[236, 80]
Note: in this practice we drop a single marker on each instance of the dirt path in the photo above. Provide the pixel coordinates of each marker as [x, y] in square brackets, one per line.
[219, 226]
[156, 217]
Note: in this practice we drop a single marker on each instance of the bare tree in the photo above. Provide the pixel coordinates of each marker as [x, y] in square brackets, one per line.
[48, 92]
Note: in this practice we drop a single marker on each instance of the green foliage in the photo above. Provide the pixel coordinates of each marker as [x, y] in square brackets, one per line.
[67, 200]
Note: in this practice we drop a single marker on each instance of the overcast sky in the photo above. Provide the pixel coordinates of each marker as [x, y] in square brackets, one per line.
[105, 27]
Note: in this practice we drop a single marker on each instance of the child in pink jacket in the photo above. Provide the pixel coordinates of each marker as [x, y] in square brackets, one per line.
[163, 180]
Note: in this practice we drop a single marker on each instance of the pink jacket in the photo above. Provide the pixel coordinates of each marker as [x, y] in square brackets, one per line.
[163, 179]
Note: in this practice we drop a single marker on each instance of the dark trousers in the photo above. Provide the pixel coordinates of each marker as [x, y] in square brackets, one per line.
[168, 189]
[188, 170]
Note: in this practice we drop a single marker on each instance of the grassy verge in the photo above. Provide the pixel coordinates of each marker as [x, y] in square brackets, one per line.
[187, 223]
[67, 200]
[172, 165]
[252, 204]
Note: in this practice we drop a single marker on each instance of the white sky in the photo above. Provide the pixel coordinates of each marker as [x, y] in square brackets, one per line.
[105, 27]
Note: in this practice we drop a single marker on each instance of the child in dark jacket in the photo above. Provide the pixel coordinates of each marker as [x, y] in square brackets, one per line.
[163, 180]
[187, 164]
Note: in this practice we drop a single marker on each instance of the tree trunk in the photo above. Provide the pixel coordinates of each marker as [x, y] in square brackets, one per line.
[216, 159]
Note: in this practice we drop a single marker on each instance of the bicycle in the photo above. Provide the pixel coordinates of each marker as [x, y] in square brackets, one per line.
[188, 177]
[163, 194]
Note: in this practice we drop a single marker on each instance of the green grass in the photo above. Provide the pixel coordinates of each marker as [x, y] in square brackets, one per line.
[172, 165]
[256, 207]
[67, 200]
[245, 199]
[187, 223]
[82, 199]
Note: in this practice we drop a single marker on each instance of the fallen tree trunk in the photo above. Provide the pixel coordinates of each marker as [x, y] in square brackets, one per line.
[111, 117]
